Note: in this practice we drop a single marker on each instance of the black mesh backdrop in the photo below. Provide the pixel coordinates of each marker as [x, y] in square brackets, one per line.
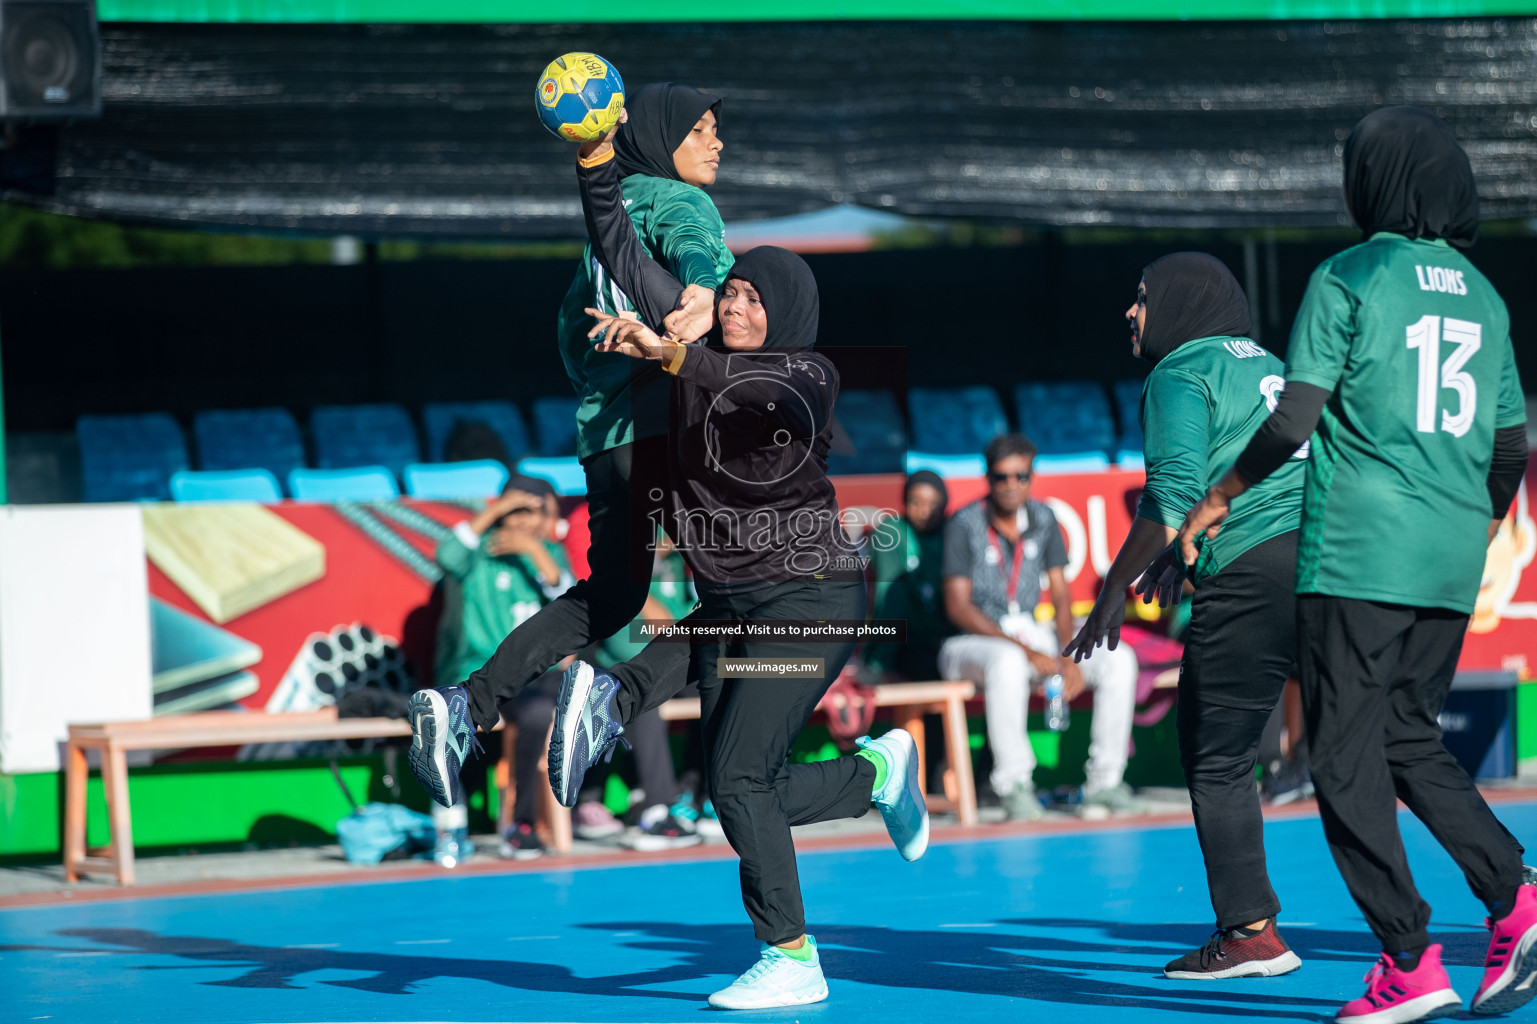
[429, 130]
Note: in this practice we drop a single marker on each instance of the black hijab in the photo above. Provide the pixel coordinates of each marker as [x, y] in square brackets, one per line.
[788, 291]
[1190, 295]
[1405, 173]
[926, 478]
[661, 116]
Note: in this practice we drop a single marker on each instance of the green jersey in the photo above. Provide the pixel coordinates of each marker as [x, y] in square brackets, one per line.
[909, 585]
[679, 226]
[1414, 345]
[1200, 406]
[485, 597]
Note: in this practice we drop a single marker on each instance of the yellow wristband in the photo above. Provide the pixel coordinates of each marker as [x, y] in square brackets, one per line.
[676, 362]
[603, 156]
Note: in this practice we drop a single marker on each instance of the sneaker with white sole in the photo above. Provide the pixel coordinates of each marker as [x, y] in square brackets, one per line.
[592, 821]
[659, 829]
[442, 737]
[1510, 969]
[1401, 997]
[901, 799]
[1110, 801]
[777, 979]
[1231, 953]
[586, 728]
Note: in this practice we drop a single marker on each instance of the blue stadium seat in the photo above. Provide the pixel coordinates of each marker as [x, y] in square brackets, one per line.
[258, 485]
[230, 439]
[347, 436]
[1080, 462]
[951, 467]
[1128, 400]
[1066, 418]
[565, 475]
[130, 458]
[873, 423]
[555, 423]
[504, 418]
[955, 421]
[479, 478]
[360, 483]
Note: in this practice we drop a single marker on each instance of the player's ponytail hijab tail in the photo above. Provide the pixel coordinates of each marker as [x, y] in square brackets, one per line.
[1190, 295]
[661, 116]
[788, 290]
[1405, 173]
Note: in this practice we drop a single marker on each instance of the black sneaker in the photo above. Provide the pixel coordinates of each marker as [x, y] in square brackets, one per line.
[660, 830]
[1293, 782]
[1232, 953]
[521, 842]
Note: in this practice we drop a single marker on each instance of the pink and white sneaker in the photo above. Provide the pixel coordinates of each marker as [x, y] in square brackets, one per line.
[1398, 997]
[1510, 970]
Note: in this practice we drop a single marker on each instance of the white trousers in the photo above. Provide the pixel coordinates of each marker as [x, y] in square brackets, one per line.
[1000, 667]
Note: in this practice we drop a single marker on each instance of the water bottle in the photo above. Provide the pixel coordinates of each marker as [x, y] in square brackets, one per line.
[452, 825]
[1057, 714]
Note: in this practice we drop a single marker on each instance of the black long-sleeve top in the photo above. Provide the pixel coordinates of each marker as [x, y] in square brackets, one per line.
[749, 501]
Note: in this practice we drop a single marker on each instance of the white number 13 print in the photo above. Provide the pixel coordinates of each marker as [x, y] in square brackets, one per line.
[1426, 334]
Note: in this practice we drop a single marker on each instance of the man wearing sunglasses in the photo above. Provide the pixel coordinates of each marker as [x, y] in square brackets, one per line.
[997, 550]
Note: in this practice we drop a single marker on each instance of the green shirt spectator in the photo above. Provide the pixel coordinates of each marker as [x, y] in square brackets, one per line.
[499, 568]
[907, 557]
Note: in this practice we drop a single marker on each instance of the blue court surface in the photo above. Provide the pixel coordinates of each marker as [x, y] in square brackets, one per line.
[1051, 927]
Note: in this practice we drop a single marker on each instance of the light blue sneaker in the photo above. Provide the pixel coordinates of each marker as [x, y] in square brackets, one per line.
[586, 726]
[901, 798]
[777, 979]
[442, 737]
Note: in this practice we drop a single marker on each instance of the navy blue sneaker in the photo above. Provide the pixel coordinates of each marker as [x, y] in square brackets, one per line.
[442, 737]
[586, 727]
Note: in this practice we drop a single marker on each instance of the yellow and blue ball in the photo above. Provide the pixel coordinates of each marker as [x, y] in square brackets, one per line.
[579, 97]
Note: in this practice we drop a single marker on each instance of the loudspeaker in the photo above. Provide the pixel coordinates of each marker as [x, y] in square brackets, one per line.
[50, 60]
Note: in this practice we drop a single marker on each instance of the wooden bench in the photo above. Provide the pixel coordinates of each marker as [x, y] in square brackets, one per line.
[909, 702]
[205, 729]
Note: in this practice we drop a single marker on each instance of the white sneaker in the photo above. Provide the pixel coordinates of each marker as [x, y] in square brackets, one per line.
[901, 798]
[777, 979]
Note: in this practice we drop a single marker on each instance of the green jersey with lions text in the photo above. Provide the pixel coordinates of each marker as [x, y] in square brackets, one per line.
[1200, 406]
[1414, 344]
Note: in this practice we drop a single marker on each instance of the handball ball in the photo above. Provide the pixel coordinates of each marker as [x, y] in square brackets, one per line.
[579, 96]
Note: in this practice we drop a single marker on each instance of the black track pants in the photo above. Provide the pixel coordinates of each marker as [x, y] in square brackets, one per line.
[1374, 677]
[1239, 652]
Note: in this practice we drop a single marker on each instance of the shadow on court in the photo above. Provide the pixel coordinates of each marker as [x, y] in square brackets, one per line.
[1463, 946]
[1005, 964]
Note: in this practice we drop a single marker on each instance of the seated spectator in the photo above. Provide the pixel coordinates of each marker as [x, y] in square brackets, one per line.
[660, 825]
[907, 555]
[499, 569]
[472, 440]
[996, 551]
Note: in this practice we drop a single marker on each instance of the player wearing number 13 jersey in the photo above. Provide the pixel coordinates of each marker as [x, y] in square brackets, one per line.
[1401, 357]
[1414, 343]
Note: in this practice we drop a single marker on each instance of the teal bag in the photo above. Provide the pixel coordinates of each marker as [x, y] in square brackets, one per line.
[377, 831]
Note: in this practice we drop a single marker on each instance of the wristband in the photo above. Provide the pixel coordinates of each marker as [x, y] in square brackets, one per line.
[676, 362]
[597, 159]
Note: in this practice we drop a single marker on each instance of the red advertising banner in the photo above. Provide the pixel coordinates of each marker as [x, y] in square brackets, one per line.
[320, 572]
